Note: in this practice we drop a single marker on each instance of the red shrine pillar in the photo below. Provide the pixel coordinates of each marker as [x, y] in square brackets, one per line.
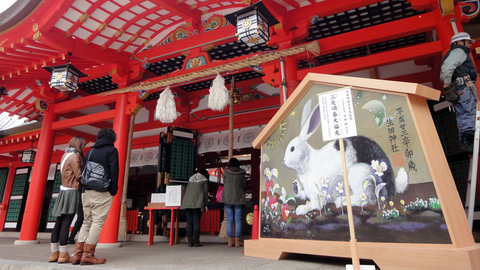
[36, 192]
[121, 125]
[6, 195]
[291, 67]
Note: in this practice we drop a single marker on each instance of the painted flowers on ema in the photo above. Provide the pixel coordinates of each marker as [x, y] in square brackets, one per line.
[379, 167]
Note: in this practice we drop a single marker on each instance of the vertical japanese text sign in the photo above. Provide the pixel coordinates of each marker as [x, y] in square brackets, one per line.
[336, 114]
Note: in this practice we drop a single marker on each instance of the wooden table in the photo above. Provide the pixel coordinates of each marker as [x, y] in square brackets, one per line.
[173, 221]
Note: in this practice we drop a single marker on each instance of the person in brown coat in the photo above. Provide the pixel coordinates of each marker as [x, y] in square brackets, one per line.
[68, 200]
[233, 196]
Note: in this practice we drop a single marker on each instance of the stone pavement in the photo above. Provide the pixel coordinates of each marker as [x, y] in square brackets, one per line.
[136, 254]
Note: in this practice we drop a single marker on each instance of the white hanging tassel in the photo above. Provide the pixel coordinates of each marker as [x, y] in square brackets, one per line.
[218, 98]
[165, 110]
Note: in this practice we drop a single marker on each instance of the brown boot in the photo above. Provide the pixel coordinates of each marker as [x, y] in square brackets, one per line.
[77, 253]
[64, 257]
[231, 242]
[88, 256]
[238, 242]
[53, 256]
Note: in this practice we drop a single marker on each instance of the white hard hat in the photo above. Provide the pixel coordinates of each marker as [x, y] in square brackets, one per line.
[461, 36]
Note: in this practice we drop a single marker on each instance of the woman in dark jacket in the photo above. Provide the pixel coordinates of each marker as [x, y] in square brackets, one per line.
[68, 200]
[233, 197]
[195, 200]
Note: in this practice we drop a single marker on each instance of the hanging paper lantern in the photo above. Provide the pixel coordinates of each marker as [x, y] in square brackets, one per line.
[218, 98]
[166, 111]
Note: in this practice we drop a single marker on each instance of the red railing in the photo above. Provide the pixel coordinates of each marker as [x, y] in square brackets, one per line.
[132, 221]
[210, 221]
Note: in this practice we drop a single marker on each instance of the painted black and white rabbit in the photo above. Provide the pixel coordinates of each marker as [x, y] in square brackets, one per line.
[320, 171]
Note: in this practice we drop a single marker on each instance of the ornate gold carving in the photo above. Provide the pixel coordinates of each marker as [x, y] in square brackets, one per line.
[84, 17]
[208, 47]
[195, 62]
[246, 23]
[37, 35]
[249, 218]
[253, 40]
[119, 32]
[35, 27]
[102, 26]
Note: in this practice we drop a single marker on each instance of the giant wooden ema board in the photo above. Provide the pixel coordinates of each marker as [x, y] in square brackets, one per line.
[406, 208]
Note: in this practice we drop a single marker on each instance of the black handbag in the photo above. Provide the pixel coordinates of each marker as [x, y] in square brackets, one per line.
[450, 93]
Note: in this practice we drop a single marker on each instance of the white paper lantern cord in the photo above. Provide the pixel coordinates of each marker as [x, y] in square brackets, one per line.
[166, 111]
[218, 98]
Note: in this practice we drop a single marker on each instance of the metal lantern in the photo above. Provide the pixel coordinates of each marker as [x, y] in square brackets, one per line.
[28, 156]
[65, 77]
[252, 24]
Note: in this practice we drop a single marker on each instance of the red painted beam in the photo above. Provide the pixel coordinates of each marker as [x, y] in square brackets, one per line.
[243, 107]
[387, 31]
[217, 124]
[145, 142]
[83, 103]
[218, 36]
[45, 16]
[424, 4]
[79, 23]
[325, 8]
[12, 98]
[72, 133]
[77, 114]
[8, 159]
[421, 77]
[240, 120]
[376, 60]
[78, 48]
[83, 120]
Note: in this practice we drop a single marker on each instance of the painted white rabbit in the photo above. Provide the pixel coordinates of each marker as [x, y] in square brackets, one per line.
[320, 171]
